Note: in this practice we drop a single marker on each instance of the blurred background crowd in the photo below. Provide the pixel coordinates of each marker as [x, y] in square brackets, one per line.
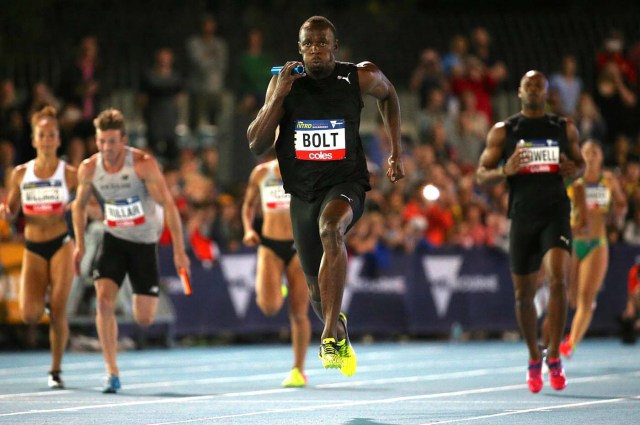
[190, 77]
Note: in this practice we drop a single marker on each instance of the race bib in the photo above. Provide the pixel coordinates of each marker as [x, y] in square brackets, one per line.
[274, 198]
[543, 156]
[43, 197]
[124, 212]
[598, 196]
[320, 140]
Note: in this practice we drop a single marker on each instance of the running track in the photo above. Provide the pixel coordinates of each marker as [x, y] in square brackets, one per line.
[396, 384]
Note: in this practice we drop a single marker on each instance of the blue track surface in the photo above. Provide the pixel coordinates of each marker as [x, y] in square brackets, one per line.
[408, 383]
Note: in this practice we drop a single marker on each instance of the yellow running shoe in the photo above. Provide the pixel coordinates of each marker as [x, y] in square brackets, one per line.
[295, 379]
[346, 351]
[329, 355]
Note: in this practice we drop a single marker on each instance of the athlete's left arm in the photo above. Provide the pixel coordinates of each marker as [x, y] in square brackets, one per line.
[569, 167]
[619, 198]
[374, 83]
[580, 222]
[148, 170]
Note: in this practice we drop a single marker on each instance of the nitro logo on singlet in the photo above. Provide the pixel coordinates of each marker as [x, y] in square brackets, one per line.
[598, 196]
[320, 140]
[274, 197]
[124, 212]
[43, 197]
[543, 156]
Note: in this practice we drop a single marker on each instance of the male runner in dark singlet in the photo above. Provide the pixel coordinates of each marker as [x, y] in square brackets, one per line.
[533, 150]
[323, 165]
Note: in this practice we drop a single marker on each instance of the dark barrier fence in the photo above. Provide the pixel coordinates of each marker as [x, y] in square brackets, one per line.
[417, 294]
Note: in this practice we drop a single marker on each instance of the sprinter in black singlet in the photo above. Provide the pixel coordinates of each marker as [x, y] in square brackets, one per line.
[533, 150]
[323, 165]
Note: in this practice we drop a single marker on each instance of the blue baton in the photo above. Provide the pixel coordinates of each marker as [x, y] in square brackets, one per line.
[298, 69]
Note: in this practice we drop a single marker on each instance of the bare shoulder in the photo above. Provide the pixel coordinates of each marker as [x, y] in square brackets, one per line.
[260, 171]
[608, 175]
[89, 163]
[69, 169]
[366, 66]
[499, 125]
[141, 156]
[19, 170]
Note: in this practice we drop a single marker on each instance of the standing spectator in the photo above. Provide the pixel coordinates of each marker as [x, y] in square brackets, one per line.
[254, 73]
[208, 62]
[469, 130]
[82, 88]
[13, 124]
[434, 111]
[613, 52]
[453, 61]
[427, 76]
[159, 100]
[588, 119]
[567, 84]
[617, 103]
[477, 79]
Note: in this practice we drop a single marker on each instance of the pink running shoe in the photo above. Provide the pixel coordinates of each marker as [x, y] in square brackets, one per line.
[534, 376]
[557, 378]
[566, 347]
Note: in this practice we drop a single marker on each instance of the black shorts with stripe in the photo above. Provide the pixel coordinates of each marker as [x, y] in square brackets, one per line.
[118, 258]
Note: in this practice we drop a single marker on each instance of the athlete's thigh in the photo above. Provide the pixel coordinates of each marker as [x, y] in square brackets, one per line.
[143, 269]
[524, 247]
[298, 289]
[269, 271]
[593, 269]
[144, 307]
[34, 281]
[61, 276]
[306, 234]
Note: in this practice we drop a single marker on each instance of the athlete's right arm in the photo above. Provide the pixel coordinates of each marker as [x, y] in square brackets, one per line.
[11, 204]
[262, 130]
[249, 204]
[488, 172]
[79, 210]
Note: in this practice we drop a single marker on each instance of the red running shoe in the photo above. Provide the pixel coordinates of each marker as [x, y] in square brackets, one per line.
[566, 347]
[534, 376]
[557, 378]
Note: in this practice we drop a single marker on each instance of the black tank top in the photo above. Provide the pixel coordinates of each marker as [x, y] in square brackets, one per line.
[539, 189]
[319, 144]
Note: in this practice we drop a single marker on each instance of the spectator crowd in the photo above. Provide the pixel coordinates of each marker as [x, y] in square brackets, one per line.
[460, 92]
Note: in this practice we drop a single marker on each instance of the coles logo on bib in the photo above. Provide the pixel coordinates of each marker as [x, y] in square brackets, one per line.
[320, 140]
[543, 156]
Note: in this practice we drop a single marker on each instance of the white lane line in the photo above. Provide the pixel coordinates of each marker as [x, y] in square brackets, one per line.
[537, 409]
[349, 403]
[148, 402]
[37, 394]
[352, 403]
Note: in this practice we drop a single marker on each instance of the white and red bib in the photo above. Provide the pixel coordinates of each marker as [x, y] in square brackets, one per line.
[320, 140]
[44, 196]
[124, 212]
[543, 156]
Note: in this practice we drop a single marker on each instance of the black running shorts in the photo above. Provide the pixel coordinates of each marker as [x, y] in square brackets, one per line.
[117, 258]
[305, 218]
[531, 237]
